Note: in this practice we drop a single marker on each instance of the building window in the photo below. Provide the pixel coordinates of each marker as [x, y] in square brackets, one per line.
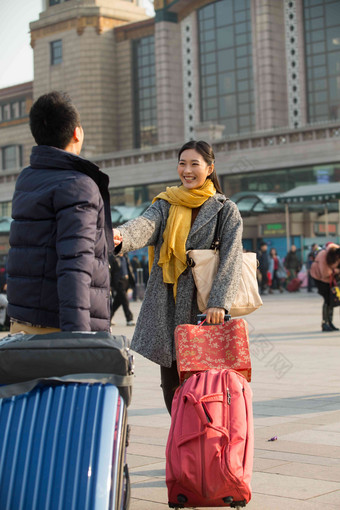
[144, 88]
[11, 157]
[55, 2]
[226, 72]
[13, 110]
[23, 111]
[5, 209]
[6, 112]
[56, 52]
[322, 42]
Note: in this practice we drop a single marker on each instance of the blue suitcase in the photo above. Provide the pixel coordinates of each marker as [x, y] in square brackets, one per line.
[63, 447]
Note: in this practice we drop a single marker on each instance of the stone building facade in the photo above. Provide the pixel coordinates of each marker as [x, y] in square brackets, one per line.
[257, 78]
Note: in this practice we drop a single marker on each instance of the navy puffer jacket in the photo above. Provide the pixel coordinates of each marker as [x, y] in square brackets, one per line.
[58, 272]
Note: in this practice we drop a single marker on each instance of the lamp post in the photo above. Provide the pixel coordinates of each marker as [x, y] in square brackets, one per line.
[287, 227]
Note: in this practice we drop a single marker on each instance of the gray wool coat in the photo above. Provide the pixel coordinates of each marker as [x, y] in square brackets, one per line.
[159, 315]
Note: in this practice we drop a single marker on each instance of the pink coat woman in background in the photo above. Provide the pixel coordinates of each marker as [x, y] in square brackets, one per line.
[324, 270]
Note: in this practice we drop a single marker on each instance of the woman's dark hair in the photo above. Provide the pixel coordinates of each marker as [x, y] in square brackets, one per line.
[205, 150]
[53, 119]
[332, 256]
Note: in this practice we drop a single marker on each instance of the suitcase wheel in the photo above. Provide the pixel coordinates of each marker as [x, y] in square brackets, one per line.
[238, 504]
[228, 500]
[176, 506]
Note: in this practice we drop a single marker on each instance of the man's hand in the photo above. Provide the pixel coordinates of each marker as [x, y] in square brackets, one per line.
[117, 238]
[215, 315]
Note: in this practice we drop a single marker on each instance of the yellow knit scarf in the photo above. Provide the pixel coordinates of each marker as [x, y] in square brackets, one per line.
[172, 257]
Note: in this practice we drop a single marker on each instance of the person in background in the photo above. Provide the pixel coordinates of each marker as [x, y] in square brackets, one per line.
[276, 270]
[324, 270]
[310, 259]
[263, 267]
[61, 234]
[145, 267]
[122, 279]
[4, 319]
[180, 218]
[135, 264]
[292, 263]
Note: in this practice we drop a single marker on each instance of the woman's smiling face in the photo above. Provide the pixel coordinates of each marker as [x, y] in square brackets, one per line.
[193, 169]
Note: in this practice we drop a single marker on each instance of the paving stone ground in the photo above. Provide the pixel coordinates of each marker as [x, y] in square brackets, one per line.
[296, 388]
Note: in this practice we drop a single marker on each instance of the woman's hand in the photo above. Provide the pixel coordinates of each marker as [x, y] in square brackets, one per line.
[117, 238]
[215, 315]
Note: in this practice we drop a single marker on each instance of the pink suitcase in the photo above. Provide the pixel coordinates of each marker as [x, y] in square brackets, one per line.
[219, 346]
[209, 453]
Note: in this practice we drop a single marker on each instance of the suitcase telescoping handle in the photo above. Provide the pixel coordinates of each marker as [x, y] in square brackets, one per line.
[201, 317]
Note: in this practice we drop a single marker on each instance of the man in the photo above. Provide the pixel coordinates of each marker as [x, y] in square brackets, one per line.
[135, 264]
[122, 279]
[292, 263]
[263, 267]
[61, 233]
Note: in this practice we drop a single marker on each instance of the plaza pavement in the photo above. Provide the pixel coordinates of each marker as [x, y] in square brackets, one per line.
[296, 387]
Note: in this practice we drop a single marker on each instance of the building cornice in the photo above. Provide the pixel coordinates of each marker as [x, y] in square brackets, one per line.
[14, 122]
[99, 23]
[135, 30]
[15, 91]
[282, 148]
[233, 144]
[166, 10]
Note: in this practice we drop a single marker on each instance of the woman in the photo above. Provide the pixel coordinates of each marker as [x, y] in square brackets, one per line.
[179, 219]
[276, 270]
[324, 270]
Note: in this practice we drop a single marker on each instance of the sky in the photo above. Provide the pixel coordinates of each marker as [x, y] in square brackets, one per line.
[16, 54]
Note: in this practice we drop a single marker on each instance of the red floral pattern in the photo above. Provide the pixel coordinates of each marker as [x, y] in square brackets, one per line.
[200, 348]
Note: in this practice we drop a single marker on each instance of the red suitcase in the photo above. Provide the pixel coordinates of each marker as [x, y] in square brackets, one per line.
[202, 347]
[209, 453]
[294, 285]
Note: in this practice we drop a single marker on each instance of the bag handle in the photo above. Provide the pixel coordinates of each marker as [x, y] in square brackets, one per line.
[204, 416]
[13, 390]
[215, 245]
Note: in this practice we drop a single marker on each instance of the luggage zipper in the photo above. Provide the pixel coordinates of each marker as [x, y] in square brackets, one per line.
[203, 440]
[228, 422]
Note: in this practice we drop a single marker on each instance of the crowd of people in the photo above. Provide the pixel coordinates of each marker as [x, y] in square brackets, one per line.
[322, 270]
[275, 273]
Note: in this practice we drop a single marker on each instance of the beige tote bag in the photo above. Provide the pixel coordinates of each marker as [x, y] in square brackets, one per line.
[204, 264]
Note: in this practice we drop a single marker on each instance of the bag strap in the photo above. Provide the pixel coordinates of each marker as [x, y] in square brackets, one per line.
[13, 390]
[215, 245]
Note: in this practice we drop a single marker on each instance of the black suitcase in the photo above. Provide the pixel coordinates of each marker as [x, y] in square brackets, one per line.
[81, 355]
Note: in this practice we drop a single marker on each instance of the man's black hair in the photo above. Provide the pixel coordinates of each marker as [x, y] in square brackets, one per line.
[53, 119]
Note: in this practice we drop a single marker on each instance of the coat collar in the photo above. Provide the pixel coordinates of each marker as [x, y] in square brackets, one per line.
[209, 209]
[47, 157]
